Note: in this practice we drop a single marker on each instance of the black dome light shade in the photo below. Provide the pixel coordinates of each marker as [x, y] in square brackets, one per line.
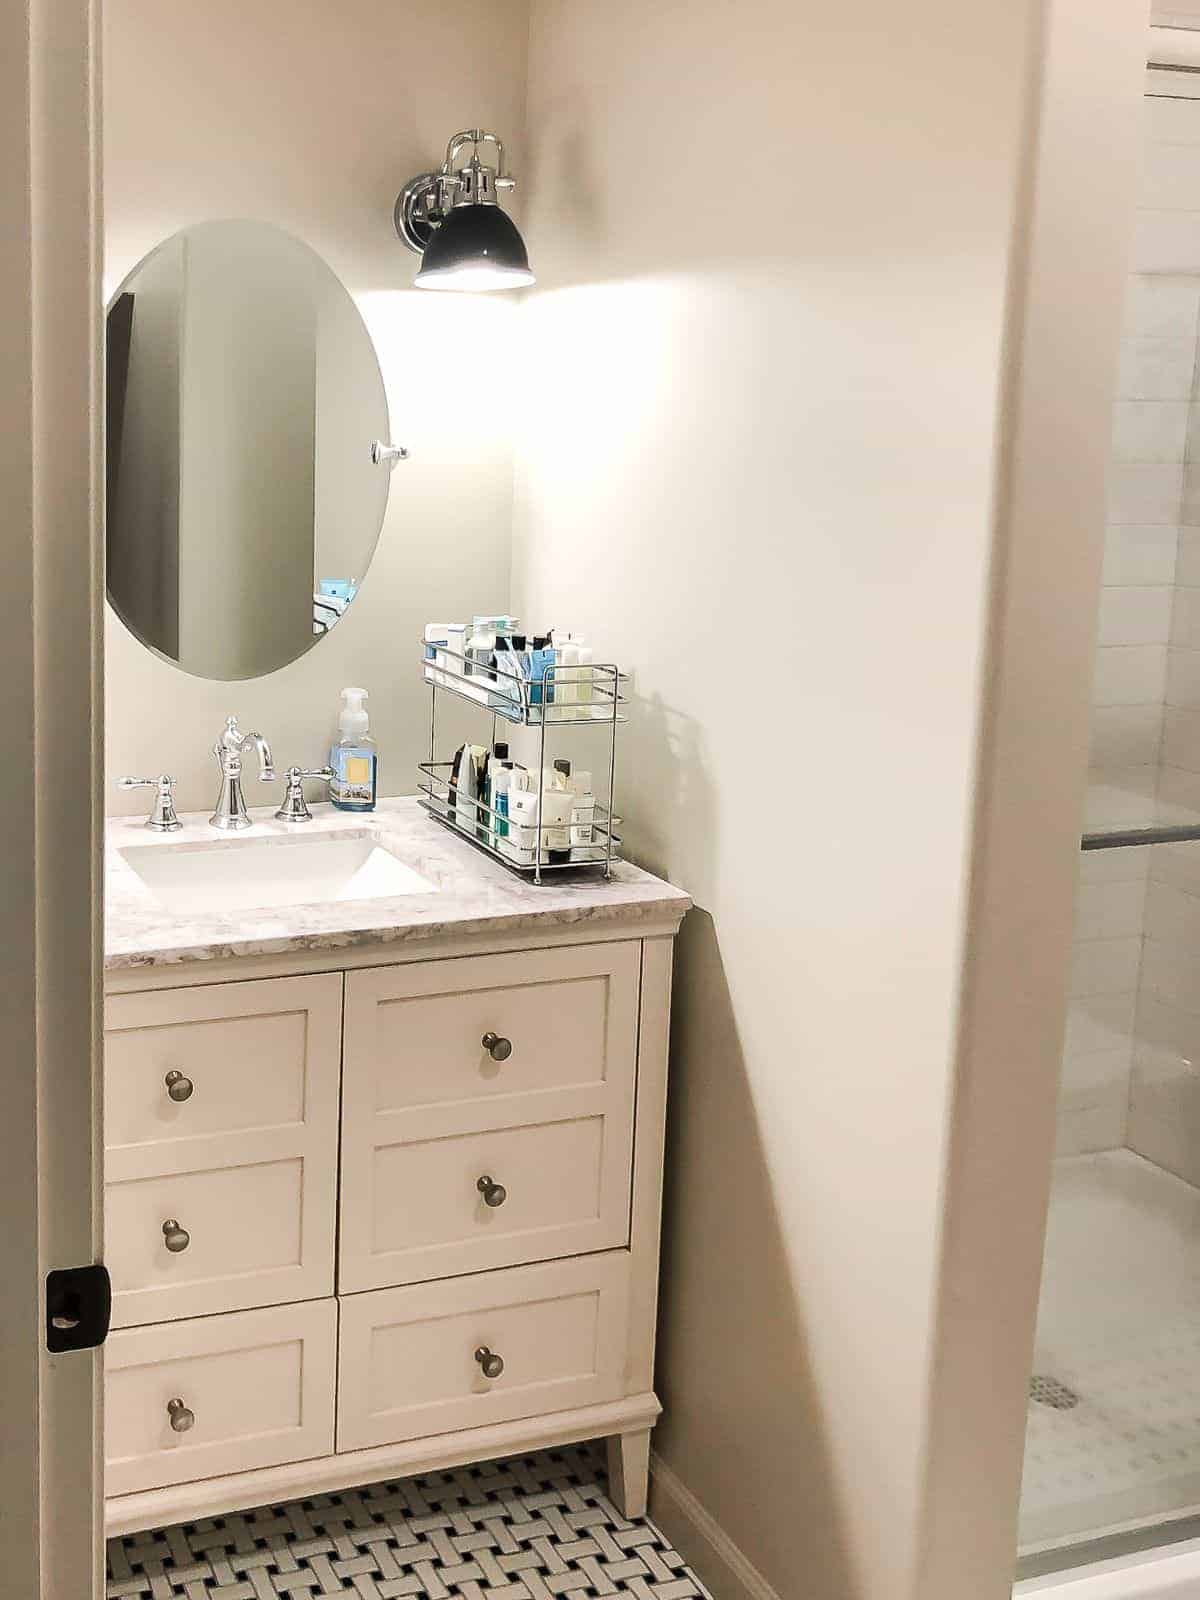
[477, 247]
[453, 221]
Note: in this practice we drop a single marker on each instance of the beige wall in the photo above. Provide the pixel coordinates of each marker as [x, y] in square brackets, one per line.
[312, 117]
[759, 460]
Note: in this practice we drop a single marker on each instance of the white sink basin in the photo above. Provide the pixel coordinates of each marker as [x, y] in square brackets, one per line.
[256, 874]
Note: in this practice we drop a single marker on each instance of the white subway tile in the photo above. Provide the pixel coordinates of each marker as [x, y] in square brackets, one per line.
[1181, 739]
[1129, 675]
[1178, 797]
[1185, 619]
[1162, 1127]
[1145, 492]
[1114, 866]
[1171, 974]
[1125, 736]
[1172, 916]
[1105, 966]
[1183, 677]
[1109, 910]
[1096, 1127]
[1161, 307]
[1171, 120]
[1170, 178]
[1136, 616]
[1175, 864]
[1187, 564]
[1140, 555]
[1156, 369]
[1120, 797]
[1099, 1022]
[1166, 241]
[1149, 430]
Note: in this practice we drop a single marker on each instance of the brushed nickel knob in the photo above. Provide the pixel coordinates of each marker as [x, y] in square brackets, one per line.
[178, 1087]
[498, 1047]
[181, 1418]
[491, 1364]
[174, 1237]
[494, 1194]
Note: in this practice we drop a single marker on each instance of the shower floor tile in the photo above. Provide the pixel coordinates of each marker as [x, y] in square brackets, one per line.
[530, 1528]
[1119, 1336]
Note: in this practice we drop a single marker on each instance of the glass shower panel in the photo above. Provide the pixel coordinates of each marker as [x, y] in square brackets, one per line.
[1113, 1435]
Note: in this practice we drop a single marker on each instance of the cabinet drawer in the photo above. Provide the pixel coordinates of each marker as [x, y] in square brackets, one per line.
[250, 1241]
[255, 1055]
[407, 1357]
[259, 1386]
[246, 1163]
[427, 1112]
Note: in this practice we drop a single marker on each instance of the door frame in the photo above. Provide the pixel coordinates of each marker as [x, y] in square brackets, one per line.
[51, 811]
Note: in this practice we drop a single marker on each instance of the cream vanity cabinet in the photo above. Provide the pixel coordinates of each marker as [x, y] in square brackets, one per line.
[381, 1215]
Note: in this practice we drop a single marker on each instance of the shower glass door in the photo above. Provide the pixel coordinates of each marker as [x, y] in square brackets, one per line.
[1112, 1452]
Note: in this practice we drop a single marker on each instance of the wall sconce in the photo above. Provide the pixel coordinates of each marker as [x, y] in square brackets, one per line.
[453, 219]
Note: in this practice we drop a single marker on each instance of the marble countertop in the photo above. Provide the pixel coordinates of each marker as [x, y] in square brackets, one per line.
[473, 895]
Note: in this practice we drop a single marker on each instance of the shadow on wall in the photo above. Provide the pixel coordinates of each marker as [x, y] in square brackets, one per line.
[723, 1247]
[723, 1240]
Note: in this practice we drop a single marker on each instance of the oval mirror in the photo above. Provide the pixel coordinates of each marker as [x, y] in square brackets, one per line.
[244, 395]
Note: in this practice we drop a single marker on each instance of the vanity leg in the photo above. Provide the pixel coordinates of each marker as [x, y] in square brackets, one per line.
[629, 1471]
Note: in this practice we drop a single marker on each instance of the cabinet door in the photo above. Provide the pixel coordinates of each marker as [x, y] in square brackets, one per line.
[487, 1112]
[412, 1361]
[193, 1399]
[221, 1117]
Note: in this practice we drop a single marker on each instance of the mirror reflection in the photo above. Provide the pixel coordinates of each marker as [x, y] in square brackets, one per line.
[243, 505]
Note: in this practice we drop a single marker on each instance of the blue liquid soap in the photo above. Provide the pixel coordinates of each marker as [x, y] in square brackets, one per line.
[354, 759]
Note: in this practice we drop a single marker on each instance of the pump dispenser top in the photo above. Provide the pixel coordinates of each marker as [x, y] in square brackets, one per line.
[353, 716]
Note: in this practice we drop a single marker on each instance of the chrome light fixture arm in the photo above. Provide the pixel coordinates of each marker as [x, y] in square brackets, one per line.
[426, 200]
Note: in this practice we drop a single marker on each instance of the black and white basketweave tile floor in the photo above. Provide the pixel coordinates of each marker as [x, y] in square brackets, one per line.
[529, 1528]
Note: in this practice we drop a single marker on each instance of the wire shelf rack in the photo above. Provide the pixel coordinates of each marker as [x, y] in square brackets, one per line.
[565, 698]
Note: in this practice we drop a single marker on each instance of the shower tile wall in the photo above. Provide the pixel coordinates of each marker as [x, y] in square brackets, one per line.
[1121, 1084]
[1164, 1102]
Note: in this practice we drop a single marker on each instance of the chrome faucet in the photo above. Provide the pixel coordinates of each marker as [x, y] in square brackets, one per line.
[229, 749]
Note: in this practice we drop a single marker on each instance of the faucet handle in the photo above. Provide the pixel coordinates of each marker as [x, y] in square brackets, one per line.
[295, 807]
[162, 817]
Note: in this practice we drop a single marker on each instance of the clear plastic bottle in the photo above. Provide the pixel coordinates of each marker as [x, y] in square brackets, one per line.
[354, 759]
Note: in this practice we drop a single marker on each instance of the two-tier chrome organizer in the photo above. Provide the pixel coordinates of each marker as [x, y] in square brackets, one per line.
[566, 700]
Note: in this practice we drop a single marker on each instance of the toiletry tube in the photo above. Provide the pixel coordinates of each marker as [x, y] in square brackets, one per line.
[566, 681]
[506, 692]
[521, 844]
[556, 820]
[450, 659]
[436, 639]
[583, 815]
[466, 812]
[501, 786]
[584, 694]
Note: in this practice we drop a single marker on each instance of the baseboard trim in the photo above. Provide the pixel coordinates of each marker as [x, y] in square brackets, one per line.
[720, 1565]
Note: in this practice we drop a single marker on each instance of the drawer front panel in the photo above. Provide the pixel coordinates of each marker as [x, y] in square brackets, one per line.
[407, 1357]
[257, 1056]
[245, 1246]
[430, 1216]
[259, 1387]
[424, 1102]
[246, 1162]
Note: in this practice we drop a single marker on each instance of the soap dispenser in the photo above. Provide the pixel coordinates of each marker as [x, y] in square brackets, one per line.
[354, 759]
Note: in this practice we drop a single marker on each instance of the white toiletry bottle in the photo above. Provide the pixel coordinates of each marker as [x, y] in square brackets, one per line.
[354, 759]
[583, 816]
